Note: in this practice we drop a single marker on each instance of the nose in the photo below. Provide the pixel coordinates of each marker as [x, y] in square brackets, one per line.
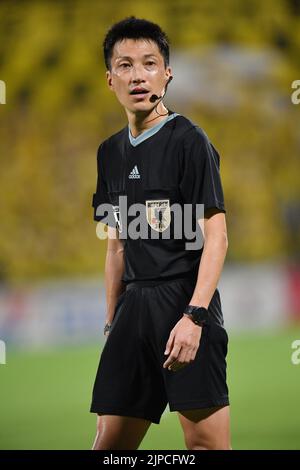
[137, 75]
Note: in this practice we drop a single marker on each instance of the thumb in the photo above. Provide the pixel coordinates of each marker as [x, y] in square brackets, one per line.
[169, 343]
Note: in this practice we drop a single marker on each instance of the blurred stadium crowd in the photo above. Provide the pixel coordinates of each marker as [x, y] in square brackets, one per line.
[234, 63]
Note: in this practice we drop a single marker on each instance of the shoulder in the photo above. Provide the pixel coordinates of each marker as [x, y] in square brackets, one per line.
[192, 131]
[189, 133]
[111, 143]
[193, 138]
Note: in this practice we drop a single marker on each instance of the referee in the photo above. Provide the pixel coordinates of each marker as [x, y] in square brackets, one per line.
[165, 338]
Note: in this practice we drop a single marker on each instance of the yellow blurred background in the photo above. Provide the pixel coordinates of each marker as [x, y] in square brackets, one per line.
[59, 108]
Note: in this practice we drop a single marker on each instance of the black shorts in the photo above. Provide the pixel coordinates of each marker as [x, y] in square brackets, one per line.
[131, 380]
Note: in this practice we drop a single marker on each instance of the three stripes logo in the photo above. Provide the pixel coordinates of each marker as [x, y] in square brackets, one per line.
[134, 174]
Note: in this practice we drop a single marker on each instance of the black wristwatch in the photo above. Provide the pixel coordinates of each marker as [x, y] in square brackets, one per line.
[199, 315]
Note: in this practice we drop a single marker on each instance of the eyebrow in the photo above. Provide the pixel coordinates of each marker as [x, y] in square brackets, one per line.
[130, 58]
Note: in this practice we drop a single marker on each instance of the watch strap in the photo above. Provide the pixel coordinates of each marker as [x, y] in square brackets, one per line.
[199, 315]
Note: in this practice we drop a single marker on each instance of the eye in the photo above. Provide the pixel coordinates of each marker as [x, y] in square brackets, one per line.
[150, 62]
[124, 65]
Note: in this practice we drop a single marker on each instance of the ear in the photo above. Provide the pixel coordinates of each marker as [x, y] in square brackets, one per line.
[169, 73]
[109, 80]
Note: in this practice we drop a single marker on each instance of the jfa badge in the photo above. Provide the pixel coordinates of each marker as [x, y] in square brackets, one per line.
[158, 214]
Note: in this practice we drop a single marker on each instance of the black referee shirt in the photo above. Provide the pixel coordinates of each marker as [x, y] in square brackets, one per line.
[174, 164]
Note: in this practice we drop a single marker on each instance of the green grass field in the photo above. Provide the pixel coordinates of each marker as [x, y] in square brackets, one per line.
[45, 397]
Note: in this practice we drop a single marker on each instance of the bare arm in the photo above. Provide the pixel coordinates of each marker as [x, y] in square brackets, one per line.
[114, 268]
[185, 337]
[212, 259]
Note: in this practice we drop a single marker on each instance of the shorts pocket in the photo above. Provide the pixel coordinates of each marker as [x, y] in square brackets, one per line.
[219, 337]
[118, 307]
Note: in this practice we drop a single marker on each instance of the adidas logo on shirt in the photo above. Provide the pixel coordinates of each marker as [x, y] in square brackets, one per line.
[134, 174]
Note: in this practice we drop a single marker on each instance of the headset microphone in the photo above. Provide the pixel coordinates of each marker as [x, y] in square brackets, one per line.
[154, 98]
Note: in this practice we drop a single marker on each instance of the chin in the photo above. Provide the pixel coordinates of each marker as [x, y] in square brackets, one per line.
[140, 107]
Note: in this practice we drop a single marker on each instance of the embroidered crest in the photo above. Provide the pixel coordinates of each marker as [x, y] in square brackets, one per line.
[158, 214]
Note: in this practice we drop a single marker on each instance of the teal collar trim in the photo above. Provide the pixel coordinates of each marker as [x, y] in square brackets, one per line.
[149, 132]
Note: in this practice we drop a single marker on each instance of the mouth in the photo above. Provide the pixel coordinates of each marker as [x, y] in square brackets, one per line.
[139, 92]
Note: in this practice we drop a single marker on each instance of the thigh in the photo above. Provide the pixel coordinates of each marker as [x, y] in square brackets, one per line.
[119, 432]
[207, 428]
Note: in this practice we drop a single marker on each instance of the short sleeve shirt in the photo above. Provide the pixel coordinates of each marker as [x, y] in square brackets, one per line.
[170, 165]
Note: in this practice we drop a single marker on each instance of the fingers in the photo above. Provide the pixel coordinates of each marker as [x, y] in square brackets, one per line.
[180, 361]
[170, 342]
[173, 355]
[183, 348]
[184, 357]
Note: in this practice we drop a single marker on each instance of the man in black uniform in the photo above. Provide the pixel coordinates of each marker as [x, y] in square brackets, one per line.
[166, 342]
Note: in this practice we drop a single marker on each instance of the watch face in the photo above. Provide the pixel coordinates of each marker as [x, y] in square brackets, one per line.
[200, 315]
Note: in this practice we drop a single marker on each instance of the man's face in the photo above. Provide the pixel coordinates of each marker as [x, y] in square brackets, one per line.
[137, 64]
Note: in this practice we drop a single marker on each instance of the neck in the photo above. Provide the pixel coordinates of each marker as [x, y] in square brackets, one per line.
[143, 120]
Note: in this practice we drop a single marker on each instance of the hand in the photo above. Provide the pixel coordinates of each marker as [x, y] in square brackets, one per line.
[183, 344]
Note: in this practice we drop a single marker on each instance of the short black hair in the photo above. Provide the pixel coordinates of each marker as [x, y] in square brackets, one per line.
[135, 28]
